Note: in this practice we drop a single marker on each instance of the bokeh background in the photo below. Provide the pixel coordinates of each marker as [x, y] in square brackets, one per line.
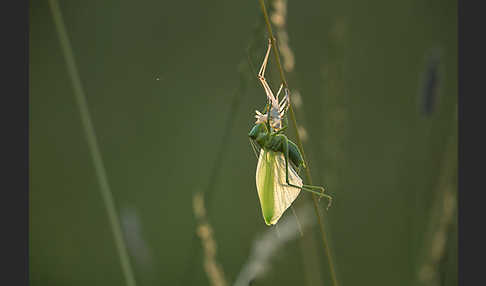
[171, 90]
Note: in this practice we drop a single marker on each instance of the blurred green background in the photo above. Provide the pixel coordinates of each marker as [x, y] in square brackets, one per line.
[172, 96]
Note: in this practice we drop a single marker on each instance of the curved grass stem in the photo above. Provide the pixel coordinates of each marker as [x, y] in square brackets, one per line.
[299, 144]
[93, 144]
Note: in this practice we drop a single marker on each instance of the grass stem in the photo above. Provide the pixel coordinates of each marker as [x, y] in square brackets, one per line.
[90, 134]
[299, 143]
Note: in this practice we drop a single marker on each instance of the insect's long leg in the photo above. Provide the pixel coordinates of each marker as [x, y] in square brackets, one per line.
[284, 104]
[265, 60]
[279, 90]
[284, 124]
[321, 194]
[261, 77]
[268, 92]
[308, 188]
[286, 95]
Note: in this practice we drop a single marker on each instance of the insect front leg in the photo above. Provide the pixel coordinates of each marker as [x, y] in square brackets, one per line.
[308, 188]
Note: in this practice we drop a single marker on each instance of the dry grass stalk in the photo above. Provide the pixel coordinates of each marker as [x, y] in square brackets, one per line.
[213, 269]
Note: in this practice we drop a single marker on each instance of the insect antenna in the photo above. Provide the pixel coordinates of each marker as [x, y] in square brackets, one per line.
[255, 148]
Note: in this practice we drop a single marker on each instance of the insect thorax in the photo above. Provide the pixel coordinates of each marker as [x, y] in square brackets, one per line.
[275, 142]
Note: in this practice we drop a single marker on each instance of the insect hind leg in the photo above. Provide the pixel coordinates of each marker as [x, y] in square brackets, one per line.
[308, 188]
[321, 194]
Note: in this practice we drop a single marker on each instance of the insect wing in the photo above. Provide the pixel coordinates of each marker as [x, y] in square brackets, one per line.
[284, 194]
[273, 191]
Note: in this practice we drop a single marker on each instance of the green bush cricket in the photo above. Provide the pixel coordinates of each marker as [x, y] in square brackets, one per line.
[278, 184]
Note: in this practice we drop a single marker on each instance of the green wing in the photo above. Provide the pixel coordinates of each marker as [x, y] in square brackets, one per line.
[273, 191]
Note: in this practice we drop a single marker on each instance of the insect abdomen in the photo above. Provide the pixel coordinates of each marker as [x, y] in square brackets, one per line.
[294, 154]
